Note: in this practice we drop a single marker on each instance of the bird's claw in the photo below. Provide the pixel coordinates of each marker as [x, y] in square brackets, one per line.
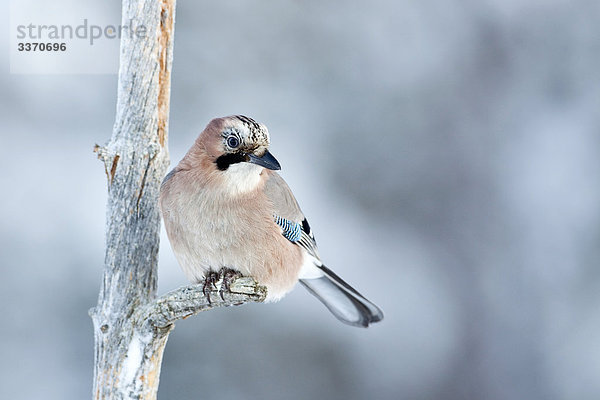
[210, 282]
[228, 275]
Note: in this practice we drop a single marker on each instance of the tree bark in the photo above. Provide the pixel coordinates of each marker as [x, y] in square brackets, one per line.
[131, 325]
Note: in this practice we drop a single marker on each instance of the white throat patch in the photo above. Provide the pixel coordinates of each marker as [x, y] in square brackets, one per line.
[242, 177]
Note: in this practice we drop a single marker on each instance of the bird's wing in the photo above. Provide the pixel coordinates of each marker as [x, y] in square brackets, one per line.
[288, 216]
[340, 298]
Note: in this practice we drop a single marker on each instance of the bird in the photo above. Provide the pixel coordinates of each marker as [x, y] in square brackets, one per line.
[225, 208]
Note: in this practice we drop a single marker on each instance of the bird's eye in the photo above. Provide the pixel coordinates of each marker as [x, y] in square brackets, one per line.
[233, 142]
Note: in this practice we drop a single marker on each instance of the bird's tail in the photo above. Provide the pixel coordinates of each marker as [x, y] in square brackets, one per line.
[342, 300]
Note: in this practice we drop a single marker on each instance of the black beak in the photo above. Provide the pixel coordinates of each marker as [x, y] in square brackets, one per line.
[267, 160]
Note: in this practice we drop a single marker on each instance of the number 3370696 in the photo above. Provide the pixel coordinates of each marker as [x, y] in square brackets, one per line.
[41, 46]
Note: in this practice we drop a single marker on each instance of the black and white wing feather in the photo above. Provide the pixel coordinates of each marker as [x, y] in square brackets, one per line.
[288, 215]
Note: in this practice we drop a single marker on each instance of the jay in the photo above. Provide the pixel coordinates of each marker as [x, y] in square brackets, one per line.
[225, 208]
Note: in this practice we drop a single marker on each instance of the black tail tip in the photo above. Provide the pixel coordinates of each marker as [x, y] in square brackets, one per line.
[366, 321]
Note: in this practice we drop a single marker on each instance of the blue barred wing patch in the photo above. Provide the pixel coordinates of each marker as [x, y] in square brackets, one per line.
[292, 231]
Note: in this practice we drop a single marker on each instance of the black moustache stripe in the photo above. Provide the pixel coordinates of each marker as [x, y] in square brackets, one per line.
[223, 162]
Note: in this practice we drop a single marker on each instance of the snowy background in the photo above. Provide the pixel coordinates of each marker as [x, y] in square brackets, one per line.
[447, 155]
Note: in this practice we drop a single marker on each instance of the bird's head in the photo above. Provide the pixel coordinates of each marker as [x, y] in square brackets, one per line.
[233, 141]
[233, 151]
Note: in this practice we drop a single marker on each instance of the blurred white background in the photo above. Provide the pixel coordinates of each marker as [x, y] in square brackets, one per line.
[447, 155]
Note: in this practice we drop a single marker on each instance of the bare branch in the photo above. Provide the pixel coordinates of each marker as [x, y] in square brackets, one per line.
[127, 354]
[190, 300]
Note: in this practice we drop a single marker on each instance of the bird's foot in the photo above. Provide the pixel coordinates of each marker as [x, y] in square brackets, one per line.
[228, 275]
[210, 281]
